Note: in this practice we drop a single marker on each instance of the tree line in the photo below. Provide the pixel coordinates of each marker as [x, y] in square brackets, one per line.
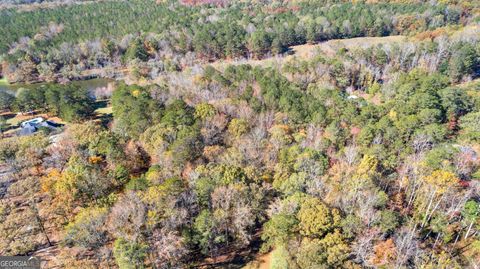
[71, 103]
[60, 43]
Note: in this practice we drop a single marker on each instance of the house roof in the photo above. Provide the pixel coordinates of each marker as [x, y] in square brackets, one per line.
[32, 121]
[48, 124]
[31, 126]
[27, 129]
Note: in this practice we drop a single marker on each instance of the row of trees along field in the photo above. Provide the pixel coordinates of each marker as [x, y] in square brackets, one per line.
[62, 42]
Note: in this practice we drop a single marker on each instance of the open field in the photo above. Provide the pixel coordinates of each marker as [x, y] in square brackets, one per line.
[3, 81]
[104, 110]
[332, 46]
[308, 51]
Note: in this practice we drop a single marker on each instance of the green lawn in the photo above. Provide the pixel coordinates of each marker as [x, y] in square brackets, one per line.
[14, 121]
[104, 110]
[3, 81]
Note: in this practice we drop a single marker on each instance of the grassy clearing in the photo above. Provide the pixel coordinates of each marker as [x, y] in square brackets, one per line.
[4, 81]
[331, 47]
[16, 119]
[104, 110]
[307, 51]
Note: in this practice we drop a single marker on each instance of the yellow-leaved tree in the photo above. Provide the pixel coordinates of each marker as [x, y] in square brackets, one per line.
[434, 189]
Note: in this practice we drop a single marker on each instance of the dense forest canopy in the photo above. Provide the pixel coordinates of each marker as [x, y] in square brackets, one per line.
[61, 43]
[243, 134]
